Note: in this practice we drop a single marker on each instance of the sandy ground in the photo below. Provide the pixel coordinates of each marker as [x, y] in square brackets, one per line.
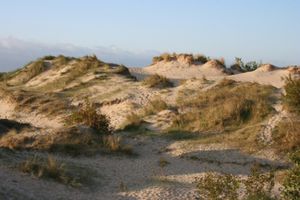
[141, 177]
[177, 71]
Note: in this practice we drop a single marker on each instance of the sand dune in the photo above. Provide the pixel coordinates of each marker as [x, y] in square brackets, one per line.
[42, 99]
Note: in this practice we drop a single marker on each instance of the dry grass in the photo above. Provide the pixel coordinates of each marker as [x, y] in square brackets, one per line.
[163, 162]
[114, 144]
[134, 120]
[157, 81]
[52, 169]
[154, 106]
[48, 168]
[227, 105]
[189, 58]
[287, 135]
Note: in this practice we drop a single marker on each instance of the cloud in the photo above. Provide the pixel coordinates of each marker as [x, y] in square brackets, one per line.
[15, 53]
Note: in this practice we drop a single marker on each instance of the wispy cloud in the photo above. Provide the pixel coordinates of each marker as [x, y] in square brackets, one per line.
[14, 53]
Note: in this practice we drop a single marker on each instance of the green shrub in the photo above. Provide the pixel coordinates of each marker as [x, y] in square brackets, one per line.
[201, 58]
[221, 61]
[292, 96]
[259, 185]
[49, 57]
[218, 187]
[157, 81]
[157, 59]
[249, 66]
[87, 115]
[291, 185]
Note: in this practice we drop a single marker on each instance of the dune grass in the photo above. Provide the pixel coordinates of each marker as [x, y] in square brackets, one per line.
[287, 135]
[53, 169]
[157, 81]
[48, 168]
[227, 105]
[135, 119]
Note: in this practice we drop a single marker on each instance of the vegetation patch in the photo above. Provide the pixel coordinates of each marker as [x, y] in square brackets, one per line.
[287, 136]
[292, 94]
[134, 120]
[291, 184]
[52, 169]
[225, 106]
[218, 187]
[245, 67]
[215, 186]
[157, 81]
[88, 115]
[189, 58]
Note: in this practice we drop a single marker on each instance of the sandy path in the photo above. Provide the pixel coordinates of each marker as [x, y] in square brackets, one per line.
[268, 127]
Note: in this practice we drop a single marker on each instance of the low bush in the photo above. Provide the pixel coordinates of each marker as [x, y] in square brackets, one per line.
[157, 59]
[258, 185]
[214, 186]
[157, 81]
[249, 66]
[291, 184]
[49, 57]
[291, 97]
[88, 115]
[221, 61]
[201, 58]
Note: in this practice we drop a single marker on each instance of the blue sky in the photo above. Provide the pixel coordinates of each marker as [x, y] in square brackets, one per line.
[132, 31]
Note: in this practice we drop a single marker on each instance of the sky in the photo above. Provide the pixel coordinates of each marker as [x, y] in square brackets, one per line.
[131, 32]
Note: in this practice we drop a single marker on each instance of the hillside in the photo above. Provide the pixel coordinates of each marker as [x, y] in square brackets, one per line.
[81, 128]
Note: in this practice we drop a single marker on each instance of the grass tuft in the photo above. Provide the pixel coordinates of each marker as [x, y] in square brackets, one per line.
[157, 81]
